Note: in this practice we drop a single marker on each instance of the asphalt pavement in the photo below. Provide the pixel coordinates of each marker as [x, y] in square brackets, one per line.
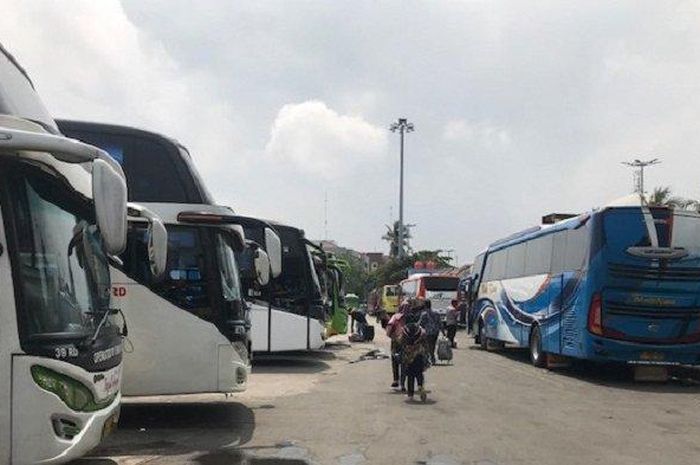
[336, 407]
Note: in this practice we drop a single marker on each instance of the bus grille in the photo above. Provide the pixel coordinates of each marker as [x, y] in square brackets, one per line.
[615, 308]
[655, 273]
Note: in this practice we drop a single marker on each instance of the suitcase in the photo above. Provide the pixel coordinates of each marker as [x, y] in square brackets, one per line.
[444, 350]
[369, 333]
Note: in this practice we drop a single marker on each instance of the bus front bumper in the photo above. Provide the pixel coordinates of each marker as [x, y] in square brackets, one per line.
[44, 428]
[234, 367]
[611, 350]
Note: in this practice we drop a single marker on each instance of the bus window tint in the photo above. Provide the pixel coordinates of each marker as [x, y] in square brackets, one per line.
[576, 249]
[538, 256]
[185, 283]
[496, 265]
[440, 283]
[558, 252]
[150, 171]
[515, 264]
[625, 228]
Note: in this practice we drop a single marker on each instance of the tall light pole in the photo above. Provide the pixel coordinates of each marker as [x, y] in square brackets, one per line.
[403, 126]
[637, 163]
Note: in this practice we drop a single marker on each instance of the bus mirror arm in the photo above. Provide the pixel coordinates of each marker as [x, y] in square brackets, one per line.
[125, 328]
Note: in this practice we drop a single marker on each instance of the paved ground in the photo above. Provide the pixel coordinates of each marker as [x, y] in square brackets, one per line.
[487, 409]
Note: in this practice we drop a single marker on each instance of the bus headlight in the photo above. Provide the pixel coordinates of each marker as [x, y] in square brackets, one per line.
[72, 392]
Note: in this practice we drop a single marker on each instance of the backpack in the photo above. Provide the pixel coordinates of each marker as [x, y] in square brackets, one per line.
[444, 350]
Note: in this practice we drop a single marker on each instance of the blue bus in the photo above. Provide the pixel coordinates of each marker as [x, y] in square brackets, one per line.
[620, 284]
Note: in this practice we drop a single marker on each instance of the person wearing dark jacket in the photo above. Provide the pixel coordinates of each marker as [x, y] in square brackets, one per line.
[430, 322]
[414, 359]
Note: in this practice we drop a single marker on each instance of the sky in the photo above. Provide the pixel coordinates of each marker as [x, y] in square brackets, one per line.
[521, 108]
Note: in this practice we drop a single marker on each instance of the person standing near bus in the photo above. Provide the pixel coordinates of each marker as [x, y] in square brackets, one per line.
[430, 322]
[451, 321]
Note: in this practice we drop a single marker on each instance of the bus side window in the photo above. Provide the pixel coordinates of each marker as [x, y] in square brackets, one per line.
[538, 257]
[558, 252]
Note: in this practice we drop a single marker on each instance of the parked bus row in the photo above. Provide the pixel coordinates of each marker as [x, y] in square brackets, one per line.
[122, 276]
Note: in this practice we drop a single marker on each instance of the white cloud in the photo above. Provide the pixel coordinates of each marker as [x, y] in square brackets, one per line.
[484, 134]
[505, 96]
[318, 140]
[103, 68]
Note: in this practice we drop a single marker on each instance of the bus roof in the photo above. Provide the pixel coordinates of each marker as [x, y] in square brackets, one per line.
[187, 178]
[18, 96]
[538, 231]
[251, 221]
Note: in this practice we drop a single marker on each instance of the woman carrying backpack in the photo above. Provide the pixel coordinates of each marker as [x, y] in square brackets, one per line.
[413, 359]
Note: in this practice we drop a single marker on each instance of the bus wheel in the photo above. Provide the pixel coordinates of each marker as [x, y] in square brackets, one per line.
[537, 357]
[483, 340]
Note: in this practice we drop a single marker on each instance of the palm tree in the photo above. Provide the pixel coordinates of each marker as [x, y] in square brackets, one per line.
[661, 197]
[392, 237]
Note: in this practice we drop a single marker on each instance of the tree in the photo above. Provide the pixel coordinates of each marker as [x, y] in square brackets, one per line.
[356, 278]
[395, 270]
[661, 197]
[392, 237]
[441, 261]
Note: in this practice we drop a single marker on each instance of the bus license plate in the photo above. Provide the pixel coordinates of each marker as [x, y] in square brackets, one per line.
[652, 356]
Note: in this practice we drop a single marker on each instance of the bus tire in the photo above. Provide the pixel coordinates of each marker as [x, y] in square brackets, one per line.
[483, 340]
[537, 356]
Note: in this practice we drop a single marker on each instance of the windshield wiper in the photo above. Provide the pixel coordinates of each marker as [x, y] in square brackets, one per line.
[103, 320]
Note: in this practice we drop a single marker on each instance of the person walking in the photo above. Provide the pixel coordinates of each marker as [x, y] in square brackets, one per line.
[430, 323]
[394, 329]
[413, 359]
[451, 322]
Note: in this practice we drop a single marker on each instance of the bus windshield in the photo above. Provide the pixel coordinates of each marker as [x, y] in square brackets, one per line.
[440, 283]
[63, 272]
[228, 268]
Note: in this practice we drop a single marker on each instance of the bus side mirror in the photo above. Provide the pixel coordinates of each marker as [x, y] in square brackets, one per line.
[262, 267]
[157, 247]
[273, 246]
[157, 238]
[109, 195]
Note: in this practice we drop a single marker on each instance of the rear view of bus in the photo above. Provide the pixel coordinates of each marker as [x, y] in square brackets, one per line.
[62, 211]
[645, 282]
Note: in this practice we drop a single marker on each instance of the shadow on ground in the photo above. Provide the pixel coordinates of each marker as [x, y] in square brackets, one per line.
[618, 376]
[178, 428]
[290, 363]
[205, 433]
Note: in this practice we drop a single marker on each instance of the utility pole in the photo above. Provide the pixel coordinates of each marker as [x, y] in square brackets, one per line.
[640, 165]
[402, 126]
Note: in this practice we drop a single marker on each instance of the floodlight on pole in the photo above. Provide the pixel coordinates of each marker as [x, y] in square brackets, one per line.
[640, 165]
[402, 126]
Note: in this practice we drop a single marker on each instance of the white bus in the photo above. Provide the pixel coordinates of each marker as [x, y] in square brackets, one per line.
[62, 213]
[191, 329]
[290, 314]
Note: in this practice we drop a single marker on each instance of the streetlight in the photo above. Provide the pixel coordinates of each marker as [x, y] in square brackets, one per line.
[637, 163]
[402, 125]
